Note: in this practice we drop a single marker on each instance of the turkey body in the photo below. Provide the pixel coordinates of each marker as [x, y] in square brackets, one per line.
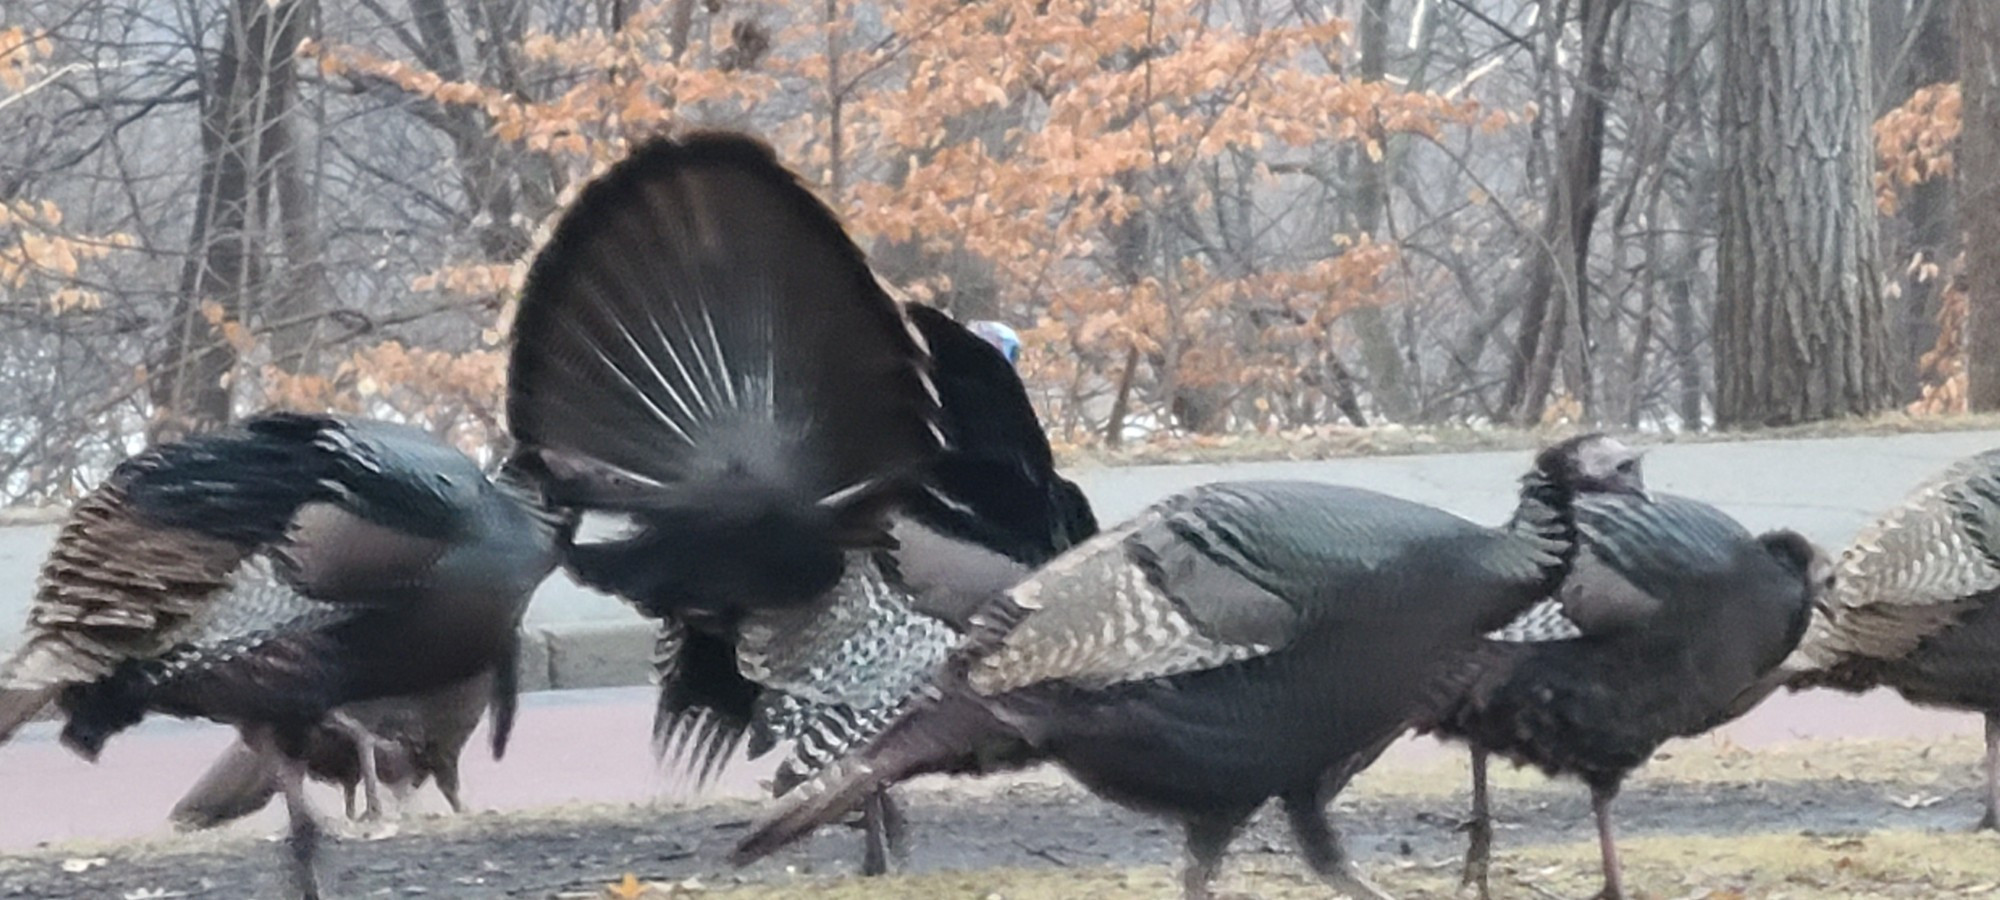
[1234, 643]
[1915, 606]
[266, 576]
[818, 476]
[1680, 611]
[415, 739]
[1363, 640]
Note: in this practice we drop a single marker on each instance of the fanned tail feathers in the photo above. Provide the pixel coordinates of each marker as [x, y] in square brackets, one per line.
[681, 340]
[704, 704]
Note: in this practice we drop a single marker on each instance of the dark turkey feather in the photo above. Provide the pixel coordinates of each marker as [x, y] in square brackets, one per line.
[267, 575]
[1915, 606]
[700, 344]
[1677, 610]
[1232, 643]
[995, 486]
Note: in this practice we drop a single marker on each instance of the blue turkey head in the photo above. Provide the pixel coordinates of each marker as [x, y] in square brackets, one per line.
[1001, 337]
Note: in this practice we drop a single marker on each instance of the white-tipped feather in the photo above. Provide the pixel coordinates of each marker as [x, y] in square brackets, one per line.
[611, 366]
[844, 494]
[687, 378]
[727, 378]
[1541, 623]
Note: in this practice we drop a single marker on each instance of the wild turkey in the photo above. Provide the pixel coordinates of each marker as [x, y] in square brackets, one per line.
[419, 738]
[267, 576]
[1915, 606]
[1680, 611]
[1235, 642]
[817, 474]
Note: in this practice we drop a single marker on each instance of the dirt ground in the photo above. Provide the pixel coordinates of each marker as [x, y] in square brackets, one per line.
[1709, 822]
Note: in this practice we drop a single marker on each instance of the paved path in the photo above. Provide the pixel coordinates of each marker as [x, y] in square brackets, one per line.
[592, 746]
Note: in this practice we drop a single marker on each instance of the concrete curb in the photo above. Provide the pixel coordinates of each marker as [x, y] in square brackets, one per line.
[587, 655]
[571, 656]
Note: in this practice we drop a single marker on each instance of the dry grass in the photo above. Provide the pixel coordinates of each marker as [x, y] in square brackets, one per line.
[1906, 765]
[1767, 866]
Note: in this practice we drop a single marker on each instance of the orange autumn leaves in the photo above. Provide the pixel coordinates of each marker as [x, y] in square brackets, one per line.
[40, 261]
[1913, 144]
[1146, 177]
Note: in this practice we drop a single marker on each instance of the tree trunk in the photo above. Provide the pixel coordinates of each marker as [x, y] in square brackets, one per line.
[290, 316]
[1386, 379]
[1801, 333]
[1978, 161]
[190, 389]
[1554, 328]
[1694, 214]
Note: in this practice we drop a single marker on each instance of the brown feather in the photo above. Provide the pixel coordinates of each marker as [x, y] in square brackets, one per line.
[17, 706]
[115, 587]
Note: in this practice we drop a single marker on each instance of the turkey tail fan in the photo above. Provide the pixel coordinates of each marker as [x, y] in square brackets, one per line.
[680, 340]
[704, 704]
[17, 706]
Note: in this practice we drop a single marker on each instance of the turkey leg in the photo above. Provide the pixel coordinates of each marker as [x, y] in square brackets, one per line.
[1208, 836]
[1991, 820]
[874, 840]
[445, 772]
[1607, 846]
[1321, 847]
[1479, 833]
[365, 744]
[302, 836]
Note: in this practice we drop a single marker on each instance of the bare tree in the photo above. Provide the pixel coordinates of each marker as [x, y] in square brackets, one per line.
[1801, 332]
[190, 388]
[1914, 48]
[1371, 324]
[1978, 161]
[1554, 324]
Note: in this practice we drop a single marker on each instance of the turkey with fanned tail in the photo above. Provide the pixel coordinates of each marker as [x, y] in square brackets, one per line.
[1915, 606]
[816, 475]
[1679, 613]
[1233, 643]
[266, 576]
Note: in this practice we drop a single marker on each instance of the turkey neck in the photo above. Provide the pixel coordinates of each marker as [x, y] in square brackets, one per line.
[1546, 516]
